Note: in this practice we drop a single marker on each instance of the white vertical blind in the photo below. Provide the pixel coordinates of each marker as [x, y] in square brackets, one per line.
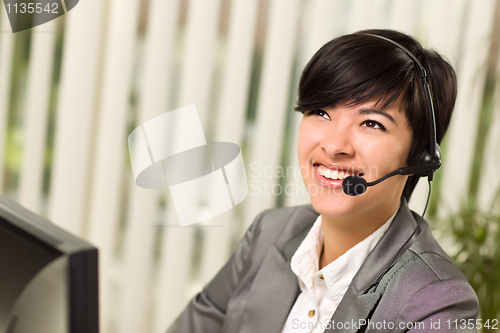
[137, 259]
[490, 182]
[111, 137]
[36, 116]
[464, 120]
[142, 215]
[273, 100]
[489, 186]
[194, 88]
[75, 117]
[158, 57]
[441, 36]
[404, 16]
[229, 126]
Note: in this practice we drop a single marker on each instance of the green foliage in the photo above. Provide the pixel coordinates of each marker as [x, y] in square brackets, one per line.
[13, 144]
[476, 233]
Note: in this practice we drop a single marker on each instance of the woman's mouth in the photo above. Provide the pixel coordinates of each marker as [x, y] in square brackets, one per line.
[333, 177]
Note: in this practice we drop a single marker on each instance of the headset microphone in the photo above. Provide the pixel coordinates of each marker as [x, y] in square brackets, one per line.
[354, 185]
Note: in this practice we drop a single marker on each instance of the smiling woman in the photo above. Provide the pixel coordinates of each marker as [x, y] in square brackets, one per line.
[351, 140]
[351, 263]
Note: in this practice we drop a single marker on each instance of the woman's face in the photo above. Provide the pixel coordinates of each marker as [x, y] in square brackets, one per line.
[363, 140]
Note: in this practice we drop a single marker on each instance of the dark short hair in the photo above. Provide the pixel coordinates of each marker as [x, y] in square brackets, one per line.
[352, 69]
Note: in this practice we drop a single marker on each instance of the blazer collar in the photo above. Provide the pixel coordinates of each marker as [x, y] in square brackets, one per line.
[382, 254]
[276, 278]
[360, 300]
[379, 258]
[307, 217]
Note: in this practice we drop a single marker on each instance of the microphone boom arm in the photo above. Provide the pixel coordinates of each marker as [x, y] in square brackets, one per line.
[411, 170]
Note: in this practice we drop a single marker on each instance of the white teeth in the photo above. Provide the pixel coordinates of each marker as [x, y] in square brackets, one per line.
[331, 174]
[328, 173]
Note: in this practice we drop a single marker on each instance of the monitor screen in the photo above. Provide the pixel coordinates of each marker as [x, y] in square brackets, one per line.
[48, 277]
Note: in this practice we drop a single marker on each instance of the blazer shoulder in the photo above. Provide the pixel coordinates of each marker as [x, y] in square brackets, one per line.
[426, 260]
[283, 213]
[432, 257]
[425, 286]
[285, 220]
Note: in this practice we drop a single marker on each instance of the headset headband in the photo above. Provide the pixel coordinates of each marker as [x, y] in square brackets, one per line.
[434, 151]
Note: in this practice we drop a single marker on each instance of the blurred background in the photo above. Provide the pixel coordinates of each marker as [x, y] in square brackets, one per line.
[72, 90]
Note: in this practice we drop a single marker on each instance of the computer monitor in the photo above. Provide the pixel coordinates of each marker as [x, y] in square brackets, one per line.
[48, 277]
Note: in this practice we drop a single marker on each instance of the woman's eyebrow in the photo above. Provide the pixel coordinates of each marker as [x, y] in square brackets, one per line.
[377, 111]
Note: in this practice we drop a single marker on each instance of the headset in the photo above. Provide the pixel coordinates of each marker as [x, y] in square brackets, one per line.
[430, 162]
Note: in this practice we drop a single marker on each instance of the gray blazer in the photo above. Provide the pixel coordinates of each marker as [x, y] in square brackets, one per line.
[256, 289]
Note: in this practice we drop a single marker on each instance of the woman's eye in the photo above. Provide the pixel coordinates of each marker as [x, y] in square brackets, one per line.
[373, 124]
[319, 112]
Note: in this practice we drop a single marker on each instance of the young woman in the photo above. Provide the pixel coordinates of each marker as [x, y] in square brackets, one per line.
[350, 262]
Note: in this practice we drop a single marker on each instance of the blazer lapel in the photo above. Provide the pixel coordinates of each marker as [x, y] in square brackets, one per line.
[353, 310]
[360, 300]
[276, 287]
[274, 279]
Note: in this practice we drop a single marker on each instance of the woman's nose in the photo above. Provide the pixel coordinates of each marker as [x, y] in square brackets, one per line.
[338, 142]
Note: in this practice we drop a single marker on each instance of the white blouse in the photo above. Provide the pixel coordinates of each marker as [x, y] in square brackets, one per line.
[322, 290]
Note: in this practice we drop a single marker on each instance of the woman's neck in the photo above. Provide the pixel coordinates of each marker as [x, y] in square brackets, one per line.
[341, 234]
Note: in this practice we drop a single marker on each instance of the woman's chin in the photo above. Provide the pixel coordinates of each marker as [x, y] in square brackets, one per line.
[335, 206]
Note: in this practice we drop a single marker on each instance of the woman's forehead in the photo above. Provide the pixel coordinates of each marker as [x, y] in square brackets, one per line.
[380, 103]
